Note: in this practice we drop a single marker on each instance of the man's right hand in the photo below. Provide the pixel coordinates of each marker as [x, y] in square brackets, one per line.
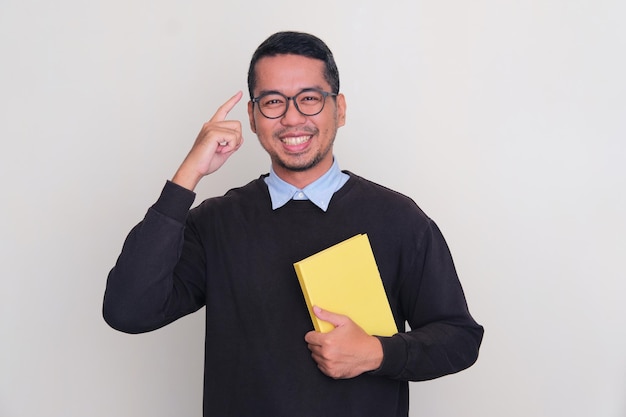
[217, 141]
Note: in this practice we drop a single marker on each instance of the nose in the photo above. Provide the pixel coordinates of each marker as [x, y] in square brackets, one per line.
[292, 116]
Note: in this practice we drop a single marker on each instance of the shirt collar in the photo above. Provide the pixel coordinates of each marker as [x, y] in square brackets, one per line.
[319, 192]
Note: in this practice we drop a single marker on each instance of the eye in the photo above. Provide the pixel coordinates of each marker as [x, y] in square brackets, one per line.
[272, 101]
[309, 98]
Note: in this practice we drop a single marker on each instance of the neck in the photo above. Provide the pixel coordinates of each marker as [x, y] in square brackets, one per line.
[301, 179]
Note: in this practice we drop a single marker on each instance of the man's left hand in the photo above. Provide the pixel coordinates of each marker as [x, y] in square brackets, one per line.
[346, 351]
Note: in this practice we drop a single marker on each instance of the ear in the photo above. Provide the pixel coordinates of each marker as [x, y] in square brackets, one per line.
[251, 116]
[341, 110]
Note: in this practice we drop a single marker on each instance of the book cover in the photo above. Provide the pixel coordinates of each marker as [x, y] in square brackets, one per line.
[344, 279]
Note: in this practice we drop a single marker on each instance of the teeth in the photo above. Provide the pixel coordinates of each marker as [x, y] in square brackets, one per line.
[295, 140]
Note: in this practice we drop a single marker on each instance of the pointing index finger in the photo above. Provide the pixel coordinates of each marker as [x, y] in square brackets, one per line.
[222, 112]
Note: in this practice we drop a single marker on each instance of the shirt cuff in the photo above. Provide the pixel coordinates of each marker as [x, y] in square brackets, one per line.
[394, 356]
[174, 201]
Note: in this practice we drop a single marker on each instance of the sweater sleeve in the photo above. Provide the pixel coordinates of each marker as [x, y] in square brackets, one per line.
[144, 290]
[443, 337]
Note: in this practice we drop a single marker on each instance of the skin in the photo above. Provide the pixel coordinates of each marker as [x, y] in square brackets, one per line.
[302, 163]
[300, 148]
[217, 141]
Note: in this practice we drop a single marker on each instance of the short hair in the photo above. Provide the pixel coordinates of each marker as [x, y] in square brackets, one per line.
[295, 43]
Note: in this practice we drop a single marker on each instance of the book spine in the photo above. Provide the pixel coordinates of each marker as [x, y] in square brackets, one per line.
[307, 299]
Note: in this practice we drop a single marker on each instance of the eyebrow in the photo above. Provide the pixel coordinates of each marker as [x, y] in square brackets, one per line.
[265, 92]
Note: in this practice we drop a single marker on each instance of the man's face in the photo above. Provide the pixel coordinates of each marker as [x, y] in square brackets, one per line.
[299, 146]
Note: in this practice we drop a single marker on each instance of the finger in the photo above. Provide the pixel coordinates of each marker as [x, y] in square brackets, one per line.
[333, 318]
[233, 140]
[222, 112]
[222, 133]
[313, 338]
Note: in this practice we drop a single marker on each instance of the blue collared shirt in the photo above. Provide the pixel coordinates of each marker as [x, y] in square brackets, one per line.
[319, 191]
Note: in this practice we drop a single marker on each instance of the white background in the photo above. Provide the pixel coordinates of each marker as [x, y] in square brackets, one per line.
[504, 120]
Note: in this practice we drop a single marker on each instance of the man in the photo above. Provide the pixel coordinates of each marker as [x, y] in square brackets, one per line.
[234, 255]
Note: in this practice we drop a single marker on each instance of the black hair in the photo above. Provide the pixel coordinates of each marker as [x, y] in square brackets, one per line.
[295, 43]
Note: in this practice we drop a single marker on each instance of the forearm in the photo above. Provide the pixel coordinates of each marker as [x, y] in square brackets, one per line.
[430, 352]
[141, 284]
[186, 177]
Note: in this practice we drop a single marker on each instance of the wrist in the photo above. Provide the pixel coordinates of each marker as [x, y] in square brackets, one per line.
[186, 179]
[375, 354]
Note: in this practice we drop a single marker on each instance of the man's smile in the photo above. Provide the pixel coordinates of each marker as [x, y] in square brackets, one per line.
[295, 140]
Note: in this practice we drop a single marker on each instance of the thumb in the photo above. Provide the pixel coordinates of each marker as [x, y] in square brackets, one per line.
[333, 318]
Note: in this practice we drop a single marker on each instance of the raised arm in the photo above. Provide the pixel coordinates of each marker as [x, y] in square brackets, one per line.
[149, 286]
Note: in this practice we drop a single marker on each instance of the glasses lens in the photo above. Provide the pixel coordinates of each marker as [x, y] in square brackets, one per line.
[310, 102]
[272, 105]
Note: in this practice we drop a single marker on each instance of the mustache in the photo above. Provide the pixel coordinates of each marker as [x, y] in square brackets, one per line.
[288, 130]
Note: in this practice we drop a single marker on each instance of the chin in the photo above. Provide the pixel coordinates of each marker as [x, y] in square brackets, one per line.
[299, 167]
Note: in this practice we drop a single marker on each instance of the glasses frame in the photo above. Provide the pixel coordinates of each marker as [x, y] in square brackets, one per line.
[295, 103]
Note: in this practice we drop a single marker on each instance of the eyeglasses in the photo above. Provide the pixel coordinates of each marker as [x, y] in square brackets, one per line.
[308, 102]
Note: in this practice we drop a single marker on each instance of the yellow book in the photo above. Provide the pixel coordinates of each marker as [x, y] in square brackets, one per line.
[344, 279]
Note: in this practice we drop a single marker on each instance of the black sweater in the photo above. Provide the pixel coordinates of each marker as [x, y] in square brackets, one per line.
[235, 255]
